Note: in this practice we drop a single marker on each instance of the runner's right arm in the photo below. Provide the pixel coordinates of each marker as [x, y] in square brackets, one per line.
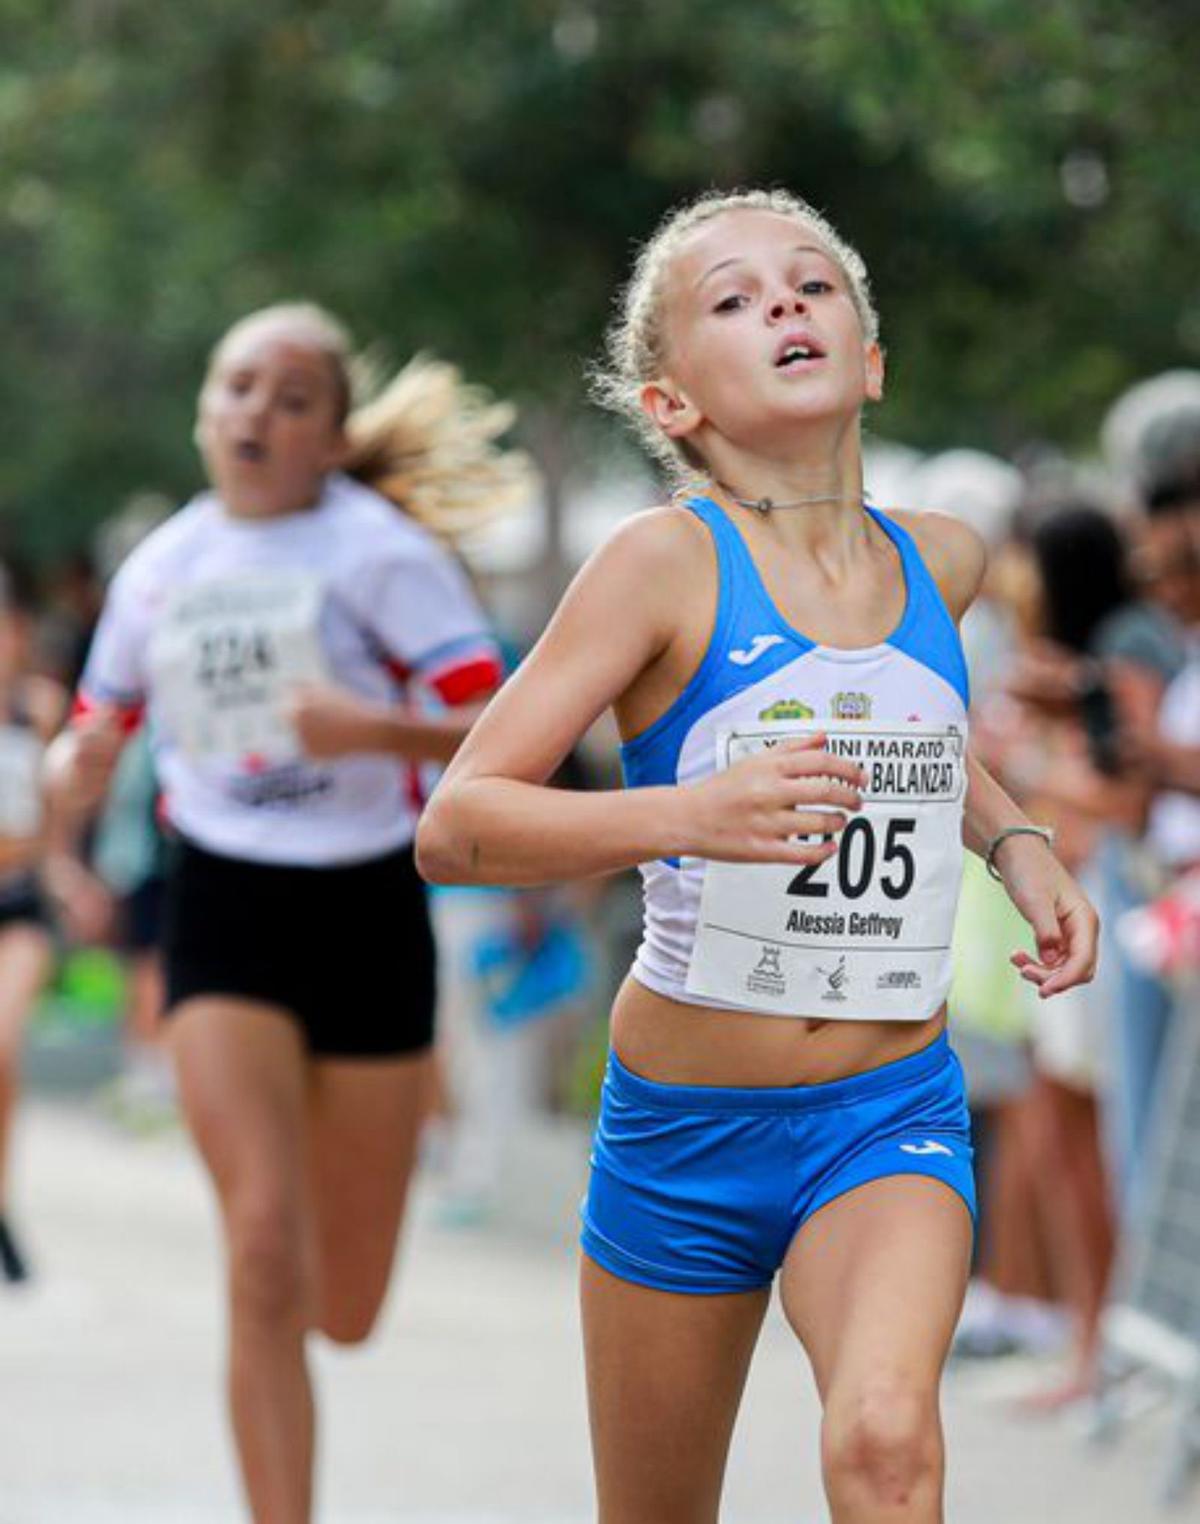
[494, 820]
[81, 760]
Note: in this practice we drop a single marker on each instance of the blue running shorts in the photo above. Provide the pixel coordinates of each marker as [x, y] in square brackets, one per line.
[701, 1188]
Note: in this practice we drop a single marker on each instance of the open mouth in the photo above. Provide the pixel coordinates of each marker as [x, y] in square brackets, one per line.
[250, 450]
[796, 354]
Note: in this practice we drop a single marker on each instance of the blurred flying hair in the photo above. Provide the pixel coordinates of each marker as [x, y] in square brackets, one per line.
[635, 345]
[424, 439]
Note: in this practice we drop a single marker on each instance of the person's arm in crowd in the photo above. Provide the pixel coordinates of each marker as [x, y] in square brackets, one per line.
[1168, 766]
[1053, 688]
[1179, 768]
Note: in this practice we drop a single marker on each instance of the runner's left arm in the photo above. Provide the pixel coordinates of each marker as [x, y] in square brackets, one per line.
[1064, 924]
[434, 638]
[332, 722]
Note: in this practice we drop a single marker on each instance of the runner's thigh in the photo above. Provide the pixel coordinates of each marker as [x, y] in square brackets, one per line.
[243, 1082]
[365, 1119]
[873, 1285]
[665, 1376]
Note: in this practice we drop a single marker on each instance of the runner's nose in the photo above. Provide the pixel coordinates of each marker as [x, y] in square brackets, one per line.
[787, 305]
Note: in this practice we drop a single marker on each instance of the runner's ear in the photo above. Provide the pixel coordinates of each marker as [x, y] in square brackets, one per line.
[670, 408]
[875, 372]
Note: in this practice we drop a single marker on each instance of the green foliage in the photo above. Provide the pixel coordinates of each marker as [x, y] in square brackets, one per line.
[471, 177]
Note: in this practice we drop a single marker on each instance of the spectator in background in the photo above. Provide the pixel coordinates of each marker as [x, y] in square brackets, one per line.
[109, 885]
[1106, 668]
[31, 710]
[1167, 759]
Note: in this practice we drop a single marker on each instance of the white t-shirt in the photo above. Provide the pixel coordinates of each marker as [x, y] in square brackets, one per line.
[213, 622]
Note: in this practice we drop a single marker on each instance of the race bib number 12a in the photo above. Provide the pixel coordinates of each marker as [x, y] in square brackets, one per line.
[865, 935]
[226, 657]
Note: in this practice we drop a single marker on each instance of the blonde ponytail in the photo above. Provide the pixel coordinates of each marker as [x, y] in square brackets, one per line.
[428, 440]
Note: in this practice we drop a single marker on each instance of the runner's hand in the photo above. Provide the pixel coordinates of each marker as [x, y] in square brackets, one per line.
[1065, 926]
[86, 905]
[329, 722]
[756, 810]
[97, 740]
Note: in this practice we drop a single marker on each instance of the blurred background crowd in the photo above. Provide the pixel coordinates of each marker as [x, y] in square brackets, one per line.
[468, 179]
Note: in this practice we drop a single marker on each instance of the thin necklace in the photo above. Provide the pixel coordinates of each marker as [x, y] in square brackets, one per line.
[765, 505]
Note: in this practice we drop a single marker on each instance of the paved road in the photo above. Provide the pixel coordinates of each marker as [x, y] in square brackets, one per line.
[466, 1409]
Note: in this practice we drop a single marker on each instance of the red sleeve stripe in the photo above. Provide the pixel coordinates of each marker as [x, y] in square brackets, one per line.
[130, 715]
[471, 680]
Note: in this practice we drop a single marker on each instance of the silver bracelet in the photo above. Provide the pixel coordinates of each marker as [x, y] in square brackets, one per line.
[989, 857]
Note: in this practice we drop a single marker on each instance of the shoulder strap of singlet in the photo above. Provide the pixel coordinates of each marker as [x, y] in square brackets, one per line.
[730, 578]
[742, 596]
[724, 534]
[928, 632]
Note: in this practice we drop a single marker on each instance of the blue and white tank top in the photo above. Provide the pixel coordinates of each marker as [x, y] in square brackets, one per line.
[865, 936]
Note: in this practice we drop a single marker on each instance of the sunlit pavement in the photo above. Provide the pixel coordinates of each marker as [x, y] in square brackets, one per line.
[468, 1406]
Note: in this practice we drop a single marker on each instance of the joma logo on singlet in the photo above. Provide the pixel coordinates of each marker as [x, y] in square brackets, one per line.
[755, 649]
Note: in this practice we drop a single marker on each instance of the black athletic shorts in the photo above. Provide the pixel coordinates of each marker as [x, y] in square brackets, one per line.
[21, 903]
[141, 916]
[348, 951]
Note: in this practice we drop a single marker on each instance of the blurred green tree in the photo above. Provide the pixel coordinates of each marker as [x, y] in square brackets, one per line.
[471, 178]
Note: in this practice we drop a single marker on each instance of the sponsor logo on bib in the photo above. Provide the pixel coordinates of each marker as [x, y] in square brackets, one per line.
[766, 977]
[851, 706]
[836, 979]
[899, 979]
[788, 709]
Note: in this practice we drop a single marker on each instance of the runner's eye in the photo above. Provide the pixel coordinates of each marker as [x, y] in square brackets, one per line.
[732, 303]
[818, 286]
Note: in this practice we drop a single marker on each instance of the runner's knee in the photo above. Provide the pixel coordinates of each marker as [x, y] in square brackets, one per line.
[348, 1319]
[881, 1441]
[269, 1279]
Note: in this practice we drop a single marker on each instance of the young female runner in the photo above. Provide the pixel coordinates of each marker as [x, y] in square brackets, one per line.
[273, 629]
[31, 710]
[786, 672]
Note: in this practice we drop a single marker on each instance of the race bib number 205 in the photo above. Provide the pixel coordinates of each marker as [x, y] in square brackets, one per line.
[865, 935]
